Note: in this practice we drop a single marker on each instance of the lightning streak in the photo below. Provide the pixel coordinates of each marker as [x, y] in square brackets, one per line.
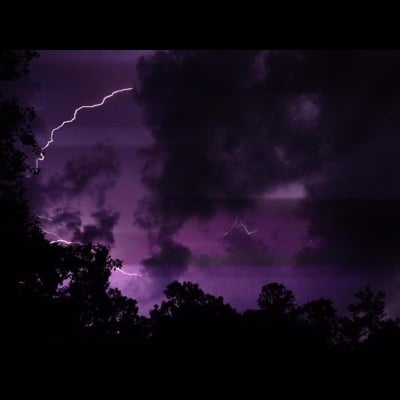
[69, 121]
[129, 273]
[245, 228]
[46, 218]
[240, 223]
[59, 239]
[231, 228]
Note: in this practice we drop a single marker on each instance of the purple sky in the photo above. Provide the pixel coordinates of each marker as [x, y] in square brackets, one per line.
[296, 163]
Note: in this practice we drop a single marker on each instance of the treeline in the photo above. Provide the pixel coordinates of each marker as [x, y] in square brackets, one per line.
[74, 309]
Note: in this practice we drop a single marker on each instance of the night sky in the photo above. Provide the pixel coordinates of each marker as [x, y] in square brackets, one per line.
[299, 146]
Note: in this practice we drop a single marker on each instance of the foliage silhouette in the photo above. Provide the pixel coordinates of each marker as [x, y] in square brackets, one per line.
[275, 298]
[192, 319]
[322, 319]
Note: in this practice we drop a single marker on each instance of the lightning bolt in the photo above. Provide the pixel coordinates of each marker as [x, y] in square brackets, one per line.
[46, 218]
[240, 223]
[129, 273]
[231, 228]
[59, 239]
[69, 121]
[246, 229]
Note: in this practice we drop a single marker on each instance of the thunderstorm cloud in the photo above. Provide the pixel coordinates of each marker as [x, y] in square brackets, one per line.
[230, 125]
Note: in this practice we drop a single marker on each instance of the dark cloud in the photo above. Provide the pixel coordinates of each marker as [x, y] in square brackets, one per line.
[170, 261]
[101, 231]
[94, 173]
[221, 134]
[229, 125]
[70, 219]
[67, 224]
[353, 202]
[354, 208]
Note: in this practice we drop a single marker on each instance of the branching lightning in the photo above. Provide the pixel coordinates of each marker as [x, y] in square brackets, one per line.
[240, 223]
[69, 121]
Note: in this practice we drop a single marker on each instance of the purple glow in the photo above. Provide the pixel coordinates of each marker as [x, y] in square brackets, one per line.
[67, 78]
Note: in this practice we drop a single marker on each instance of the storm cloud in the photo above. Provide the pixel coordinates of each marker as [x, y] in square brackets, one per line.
[101, 231]
[67, 217]
[172, 260]
[66, 223]
[94, 173]
[354, 208]
[230, 125]
[221, 135]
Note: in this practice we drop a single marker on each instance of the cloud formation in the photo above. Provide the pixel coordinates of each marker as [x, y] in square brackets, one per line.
[67, 217]
[354, 208]
[94, 172]
[230, 125]
[101, 231]
[170, 261]
[221, 135]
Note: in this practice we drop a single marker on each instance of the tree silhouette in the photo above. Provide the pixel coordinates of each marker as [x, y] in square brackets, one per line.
[386, 338]
[192, 319]
[15, 127]
[277, 299]
[14, 64]
[21, 239]
[323, 321]
[101, 312]
[367, 316]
